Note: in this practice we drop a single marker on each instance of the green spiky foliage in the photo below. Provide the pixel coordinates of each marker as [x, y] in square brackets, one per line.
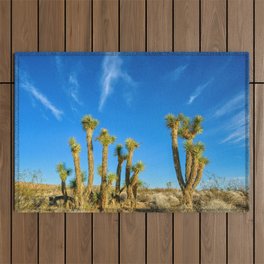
[63, 173]
[121, 157]
[75, 149]
[131, 145]
[195, 162]
[105, 139]
[89, 124]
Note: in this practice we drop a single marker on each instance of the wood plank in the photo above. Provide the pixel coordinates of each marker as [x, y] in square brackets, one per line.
[186, 238]
[132, 25]
[259, 171]
[24, 38]
[186, 38]
[213, 28]
[5, 63]
[105, 29]
[132, 226]
[105, 238]
[159, 38]
[240, 28]
[51, 25]
[159, 25]
[105, 225]
[78, 38]
[213, 38]
[51, 38]
[159, 238]
[240, 226]
[186, 25]
[132, 238]
[78, 25]
[259, 41]
[24, 25]
[51, 238]
[25, 238]
[5, 178]
[78, 238]
[213, 238]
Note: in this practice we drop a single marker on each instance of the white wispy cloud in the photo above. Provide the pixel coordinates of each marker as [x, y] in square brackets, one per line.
[176, 74]
[41, 98]
[197, 92]
[113, 72]
[59, 64]
[74, 88]
[237, 128]
[235, 103]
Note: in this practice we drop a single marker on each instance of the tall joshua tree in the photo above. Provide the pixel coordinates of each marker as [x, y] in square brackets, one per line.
[137, 168]
[64, 173]
[75, 149]
[105, 139]
[121, 158]
[131, 145]
[195, 162]
[89, 124]
[173, 123]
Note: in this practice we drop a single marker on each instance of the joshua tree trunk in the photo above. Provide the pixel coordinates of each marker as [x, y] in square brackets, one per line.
[187, 198]
[104, 179]
[89, 134]
[118, 175]
[64, 191]
[134, 188]
[193, 173]
[188, 192]
[176, 158]
[199, 175]
[63, 188]
[128, 169]
[77, 167]
[188, 163]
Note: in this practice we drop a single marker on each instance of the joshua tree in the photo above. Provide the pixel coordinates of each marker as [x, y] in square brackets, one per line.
[131, 145]
[64, 173]
[137, 168]
[195, 162]
[75, 149]
[105, 139]
[121, 158]
[188, 131]
[173, 123]
[89, 124]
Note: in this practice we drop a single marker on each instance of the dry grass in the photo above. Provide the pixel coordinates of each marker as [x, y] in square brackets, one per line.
[31, 197]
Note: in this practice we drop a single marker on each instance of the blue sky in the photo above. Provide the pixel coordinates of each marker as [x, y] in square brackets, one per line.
[130, 95]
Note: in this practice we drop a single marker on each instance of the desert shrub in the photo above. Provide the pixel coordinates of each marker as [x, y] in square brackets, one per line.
[159, 201]
[216, 205]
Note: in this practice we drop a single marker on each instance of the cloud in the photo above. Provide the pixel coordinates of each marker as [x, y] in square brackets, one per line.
[176, 74]
[237, 128]
[199, 90]
[74, 88]
[59, 64]
[41, 98]
[113, 72]
[235, 103]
